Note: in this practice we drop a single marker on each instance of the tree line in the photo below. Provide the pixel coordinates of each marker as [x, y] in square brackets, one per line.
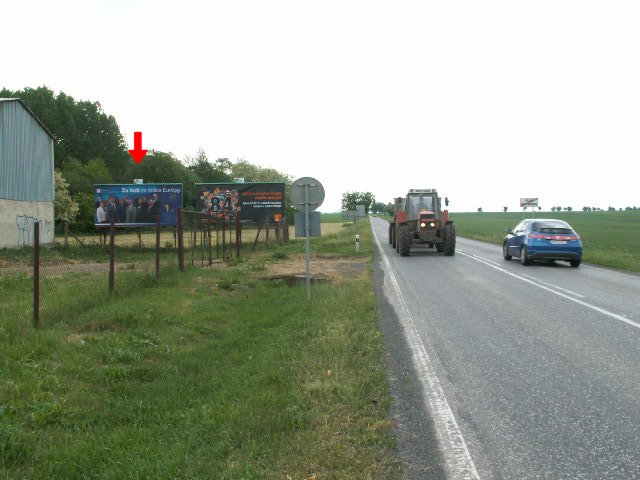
[91, 149]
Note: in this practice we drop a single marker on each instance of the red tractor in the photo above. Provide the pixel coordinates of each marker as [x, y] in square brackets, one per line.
[419, 220]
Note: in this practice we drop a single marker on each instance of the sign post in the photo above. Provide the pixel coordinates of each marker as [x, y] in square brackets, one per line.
[307, 194]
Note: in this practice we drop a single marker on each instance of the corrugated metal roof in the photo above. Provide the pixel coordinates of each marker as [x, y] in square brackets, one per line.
[26, 155]
[32, 114]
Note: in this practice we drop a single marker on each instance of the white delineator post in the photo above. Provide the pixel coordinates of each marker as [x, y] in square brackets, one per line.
[357, 243]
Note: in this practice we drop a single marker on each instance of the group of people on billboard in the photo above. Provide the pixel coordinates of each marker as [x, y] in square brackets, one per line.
[128, 210]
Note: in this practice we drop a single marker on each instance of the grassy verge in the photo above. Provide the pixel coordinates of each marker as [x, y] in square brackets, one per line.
[214, 373]
[610, 239]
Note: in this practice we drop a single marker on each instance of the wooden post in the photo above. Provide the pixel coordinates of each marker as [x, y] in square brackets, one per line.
[66, 234]
[157, 247]
[268, 230]
[257, 236]
[112, 256]
[36, 274]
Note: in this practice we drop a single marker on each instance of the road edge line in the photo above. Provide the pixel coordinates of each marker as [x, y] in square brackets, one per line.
[459, 464]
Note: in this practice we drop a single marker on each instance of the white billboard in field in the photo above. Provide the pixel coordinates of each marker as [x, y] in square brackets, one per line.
[528, 202]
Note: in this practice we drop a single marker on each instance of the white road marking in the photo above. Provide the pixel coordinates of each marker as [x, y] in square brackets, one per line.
[570, 292]
[458, 459]
[555, 292]
[482, 258]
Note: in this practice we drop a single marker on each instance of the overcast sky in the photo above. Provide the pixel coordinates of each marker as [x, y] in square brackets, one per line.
[486, 101]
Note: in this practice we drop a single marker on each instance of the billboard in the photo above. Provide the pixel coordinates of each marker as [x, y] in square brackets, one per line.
[135, 205]
[254, 201]
[528, 202]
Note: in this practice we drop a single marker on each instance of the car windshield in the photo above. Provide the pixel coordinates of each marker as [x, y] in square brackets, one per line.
[419, 202]
[555, 226]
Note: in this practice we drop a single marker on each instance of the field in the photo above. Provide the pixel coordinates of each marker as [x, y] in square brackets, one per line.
[219, 372]
[610, 239]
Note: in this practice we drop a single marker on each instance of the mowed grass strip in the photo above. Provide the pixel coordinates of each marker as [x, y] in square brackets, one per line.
[213, 373]
[610, 239]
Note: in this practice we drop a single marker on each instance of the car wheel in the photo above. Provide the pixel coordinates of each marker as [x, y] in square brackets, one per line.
[524, 258]
[505, 252]
[575, 263]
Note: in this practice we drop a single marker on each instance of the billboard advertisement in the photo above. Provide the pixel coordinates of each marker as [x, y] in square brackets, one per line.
[528, 202]
[135, 205]
[254, 201]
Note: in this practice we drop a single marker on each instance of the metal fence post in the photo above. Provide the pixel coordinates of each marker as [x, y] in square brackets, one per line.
[180, 241]
[157, 247]
[238, 236]
[36, 274]
[112, 256]
[209, 239]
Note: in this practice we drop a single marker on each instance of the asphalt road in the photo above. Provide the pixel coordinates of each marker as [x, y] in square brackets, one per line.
[513, 372]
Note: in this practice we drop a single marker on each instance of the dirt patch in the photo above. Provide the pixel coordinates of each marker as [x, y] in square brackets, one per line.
[323, 266]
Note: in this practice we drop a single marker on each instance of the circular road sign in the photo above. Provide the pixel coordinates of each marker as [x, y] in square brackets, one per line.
[316, 193]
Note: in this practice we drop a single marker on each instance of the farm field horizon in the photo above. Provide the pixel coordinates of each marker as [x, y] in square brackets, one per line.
[610, 239]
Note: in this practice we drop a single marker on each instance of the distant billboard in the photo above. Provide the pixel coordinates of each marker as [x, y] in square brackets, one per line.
[135, 205]
[528, 202]
[254, 201]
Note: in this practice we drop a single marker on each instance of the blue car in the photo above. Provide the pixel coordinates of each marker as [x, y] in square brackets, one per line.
[543, 239]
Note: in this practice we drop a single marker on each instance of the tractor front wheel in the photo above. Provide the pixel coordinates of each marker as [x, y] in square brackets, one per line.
[391, 234]
[449, 240]
[440, 247]
[404, 241]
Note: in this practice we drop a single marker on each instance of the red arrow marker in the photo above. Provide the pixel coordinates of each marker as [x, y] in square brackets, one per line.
[137, 153]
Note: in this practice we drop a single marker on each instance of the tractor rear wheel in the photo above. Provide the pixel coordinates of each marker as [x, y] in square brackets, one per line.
[404, 241]
[449, 240]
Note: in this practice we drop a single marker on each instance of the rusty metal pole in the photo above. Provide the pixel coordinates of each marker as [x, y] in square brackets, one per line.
[180, 241]
[209, 237]
[268, 230]
[224, 239]
[238, 236]
[36, 274]
[112, 256]
[157, 247]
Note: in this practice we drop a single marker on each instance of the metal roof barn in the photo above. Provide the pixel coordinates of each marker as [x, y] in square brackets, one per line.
[26, 154]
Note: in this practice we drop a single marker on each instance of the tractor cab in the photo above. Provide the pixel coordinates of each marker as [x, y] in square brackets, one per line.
[420, 220]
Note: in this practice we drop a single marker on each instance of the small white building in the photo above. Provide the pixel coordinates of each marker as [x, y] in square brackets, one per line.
[26, 175]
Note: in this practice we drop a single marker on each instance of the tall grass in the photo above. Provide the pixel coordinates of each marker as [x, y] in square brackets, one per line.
[212, 373]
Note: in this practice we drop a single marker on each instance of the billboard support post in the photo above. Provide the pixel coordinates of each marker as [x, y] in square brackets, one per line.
[267, 225]
[112, 256]
[180, 241]
[157, 247]
[238, 236]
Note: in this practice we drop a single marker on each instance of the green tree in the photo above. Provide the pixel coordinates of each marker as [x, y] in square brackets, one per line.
[164, 167]
[81, 177]
[82, 130]
[206, 172]
[351, 199]
[65, 207]
[377, 207]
